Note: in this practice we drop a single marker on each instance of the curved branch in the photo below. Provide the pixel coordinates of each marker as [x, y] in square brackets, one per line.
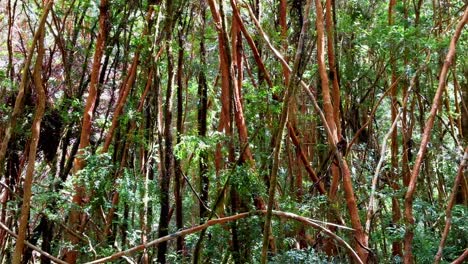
[304, 220]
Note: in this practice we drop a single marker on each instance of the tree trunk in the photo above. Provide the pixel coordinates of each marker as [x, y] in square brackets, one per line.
[202, 112]
[168, 173]
[36, 130]
[396, 214]
[180, 127]
[75, 216]
[360, 236]
[409, 219]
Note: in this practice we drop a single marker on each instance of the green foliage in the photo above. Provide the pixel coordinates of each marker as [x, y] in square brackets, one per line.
[369, 51]
[194, 145]
[96, 178]
[217, 237]
[72, 110]
[458, 233]
[303, 256]
[247, 183]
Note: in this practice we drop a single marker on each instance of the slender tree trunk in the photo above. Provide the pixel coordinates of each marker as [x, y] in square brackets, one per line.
[75, 217]
[396, 214]
[283, 9]
[168, 172]
[36, 130]
[225, 123]
[236, 59]
[409, 219]
[336, 101]
[19, 102]
[180, 128]
[330, 28]
[10, 68]
[360, 236]
[202, 113]
[224, 66]
[331, 103]
[168, 163]
[463, 125]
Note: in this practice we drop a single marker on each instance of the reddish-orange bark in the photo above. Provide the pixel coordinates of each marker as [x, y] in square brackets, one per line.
[360, 236]
[121, 102]
[333, 67]
[224, 119]
[237, 85]
[75, 217]
[461, 259]
[283, 9]
[224, 66]
[409, 219]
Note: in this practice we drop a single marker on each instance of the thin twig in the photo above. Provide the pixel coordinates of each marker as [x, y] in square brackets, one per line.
[196, 194]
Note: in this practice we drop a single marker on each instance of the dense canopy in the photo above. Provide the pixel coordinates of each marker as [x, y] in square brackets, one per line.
[233, 131]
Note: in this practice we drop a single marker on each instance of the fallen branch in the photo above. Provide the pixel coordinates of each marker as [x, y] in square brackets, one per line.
[304, 220]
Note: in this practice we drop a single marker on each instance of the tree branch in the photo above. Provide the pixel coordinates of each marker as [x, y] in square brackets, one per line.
[304, 220]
